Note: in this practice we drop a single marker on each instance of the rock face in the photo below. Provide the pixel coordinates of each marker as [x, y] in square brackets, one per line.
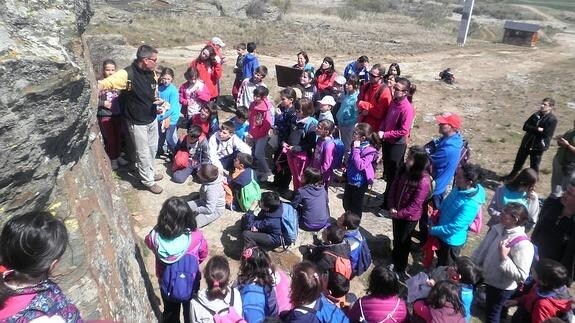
[51, 157]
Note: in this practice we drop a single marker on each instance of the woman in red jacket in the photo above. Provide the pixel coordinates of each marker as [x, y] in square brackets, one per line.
[325, 76]
[210, 70]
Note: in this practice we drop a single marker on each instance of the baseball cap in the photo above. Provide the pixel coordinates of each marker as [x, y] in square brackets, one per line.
[328, 99]
[340, 80]
[449, 118]
[218, 41]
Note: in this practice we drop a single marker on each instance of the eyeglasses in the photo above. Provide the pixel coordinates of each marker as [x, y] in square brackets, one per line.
[373, 75]
[152, 59]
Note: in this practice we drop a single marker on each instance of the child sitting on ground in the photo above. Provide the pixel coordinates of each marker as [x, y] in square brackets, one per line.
[382, 302]
[443, 303]
[241, 122]
[360, 255]
[224, 146]
[191, 153]
[264, 230]
[465, 273]
[246, 91]
[212, 200]
[218, 296]
[331, 250]
[311, 202]
[548, 297]
[207, 119]
[245, 188]
[325, 106]
[337, 291]
[325, 151]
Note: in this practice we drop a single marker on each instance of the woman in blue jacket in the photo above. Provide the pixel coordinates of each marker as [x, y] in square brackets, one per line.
[456, 214]
[169, 94]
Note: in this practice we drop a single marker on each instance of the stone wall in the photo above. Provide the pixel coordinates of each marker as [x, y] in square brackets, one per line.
[51, 157]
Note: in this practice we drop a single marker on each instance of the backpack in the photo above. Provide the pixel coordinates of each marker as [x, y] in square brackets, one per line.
[341, 265]
[326, 312]
[338, 152]
[475, 226]
[289, 225]
[524, 237]
[180, 279]
[282, 290]
[226, 315]
[360, 257]
[465, 154]
[249, 194]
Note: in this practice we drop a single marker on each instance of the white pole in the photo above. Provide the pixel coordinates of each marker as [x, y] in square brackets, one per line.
[465, 21]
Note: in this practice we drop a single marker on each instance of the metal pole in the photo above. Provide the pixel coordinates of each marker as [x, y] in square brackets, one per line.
[465, 21]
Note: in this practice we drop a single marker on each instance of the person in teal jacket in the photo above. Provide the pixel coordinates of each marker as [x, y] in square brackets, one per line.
[456, 214]
[348, 114]
[169, 93]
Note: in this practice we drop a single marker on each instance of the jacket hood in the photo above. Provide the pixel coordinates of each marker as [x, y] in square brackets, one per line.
[171, 250]
[560, 298]
[277, 213]
[249, 57]
[314, 190]
[477, 194]
[217, 181]
[455, 140]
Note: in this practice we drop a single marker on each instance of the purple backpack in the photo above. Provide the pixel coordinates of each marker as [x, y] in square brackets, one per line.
[180, 279]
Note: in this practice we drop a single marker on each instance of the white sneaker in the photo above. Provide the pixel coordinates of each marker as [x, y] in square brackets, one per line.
[114, 163]
[122, 161]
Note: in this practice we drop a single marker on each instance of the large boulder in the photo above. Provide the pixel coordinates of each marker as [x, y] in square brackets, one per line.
[52, 157]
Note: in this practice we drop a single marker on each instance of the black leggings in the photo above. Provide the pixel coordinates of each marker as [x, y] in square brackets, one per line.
[392, 162]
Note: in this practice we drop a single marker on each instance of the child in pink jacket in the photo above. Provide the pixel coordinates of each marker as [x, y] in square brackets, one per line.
[260, 123]
[175, 235]
[324, 150]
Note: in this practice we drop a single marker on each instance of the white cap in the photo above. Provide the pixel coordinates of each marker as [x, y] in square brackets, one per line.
[218, 41]
[340, 80]
[328, 99]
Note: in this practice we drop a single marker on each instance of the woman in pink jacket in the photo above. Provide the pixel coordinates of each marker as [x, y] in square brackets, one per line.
[395, 130]
[260, 123]
[210, 70]
[175, 235]
[382, 304]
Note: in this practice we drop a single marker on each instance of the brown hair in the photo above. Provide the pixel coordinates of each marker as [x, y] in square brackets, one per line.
[306, 286]
[217, 275]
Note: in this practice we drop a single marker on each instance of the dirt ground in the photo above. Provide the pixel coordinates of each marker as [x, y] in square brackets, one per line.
[497, 87]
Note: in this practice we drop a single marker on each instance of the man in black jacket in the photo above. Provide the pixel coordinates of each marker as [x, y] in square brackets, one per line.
[539, 129]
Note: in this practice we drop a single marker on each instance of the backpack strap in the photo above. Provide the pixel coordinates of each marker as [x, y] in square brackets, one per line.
[362, 317]
[389, 315]
[212, 312]
[516, 240]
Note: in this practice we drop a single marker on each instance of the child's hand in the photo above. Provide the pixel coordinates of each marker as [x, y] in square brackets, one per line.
[504, 248]
[356, 144]
[510, 303]
[254, 229]
[430, 282]
[393, 212]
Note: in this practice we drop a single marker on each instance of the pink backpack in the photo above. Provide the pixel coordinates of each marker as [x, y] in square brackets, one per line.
[282, 289]
[475, 226]
[227, 315]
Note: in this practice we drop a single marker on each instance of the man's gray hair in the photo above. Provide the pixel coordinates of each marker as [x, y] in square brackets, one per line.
[145, 51]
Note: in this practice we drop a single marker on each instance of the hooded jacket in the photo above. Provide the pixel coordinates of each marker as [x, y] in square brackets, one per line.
[543, 305]
[212, 198]
[504, 195]
[326, 262]
[444, 158]
[168, 251]
[504, 274]
[258, 302]
[376, 309]
[260, 119]
[41, 301]
[169, 94]
[376, 105]
[347, 114]
[456, 214]
[267, 222]
[209, 74]
[311, 202]
[250, 63]
[407, 197]
[360, 169]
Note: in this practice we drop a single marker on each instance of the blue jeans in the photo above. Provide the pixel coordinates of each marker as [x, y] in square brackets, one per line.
[169, 136]
[494, 299]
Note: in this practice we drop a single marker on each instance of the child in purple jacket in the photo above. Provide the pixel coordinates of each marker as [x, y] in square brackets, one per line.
[408, 193]
[311, 202]
[324, 150]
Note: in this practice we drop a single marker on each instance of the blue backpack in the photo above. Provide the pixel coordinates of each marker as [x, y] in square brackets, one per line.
[326, 312]
[180, 279]
[338, 152]
[360, 257]
[289, 224]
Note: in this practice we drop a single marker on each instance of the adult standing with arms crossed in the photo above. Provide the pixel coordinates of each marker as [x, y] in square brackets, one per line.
[141, 106]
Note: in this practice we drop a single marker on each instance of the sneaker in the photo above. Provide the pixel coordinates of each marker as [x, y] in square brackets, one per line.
[122, 161]
[156, 189]
[158, 177]
[114, 163]
[383, 213]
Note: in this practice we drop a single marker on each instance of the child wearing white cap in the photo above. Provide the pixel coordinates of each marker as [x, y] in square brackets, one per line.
[325, 106]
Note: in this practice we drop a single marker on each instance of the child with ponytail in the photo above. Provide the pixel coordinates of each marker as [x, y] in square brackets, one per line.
[218, 295]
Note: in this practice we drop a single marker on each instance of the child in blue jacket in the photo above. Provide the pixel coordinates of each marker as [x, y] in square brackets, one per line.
[457, 212]
[264, 230]
[168, 130]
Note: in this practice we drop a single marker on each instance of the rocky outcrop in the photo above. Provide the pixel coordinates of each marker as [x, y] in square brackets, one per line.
[51, 156]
